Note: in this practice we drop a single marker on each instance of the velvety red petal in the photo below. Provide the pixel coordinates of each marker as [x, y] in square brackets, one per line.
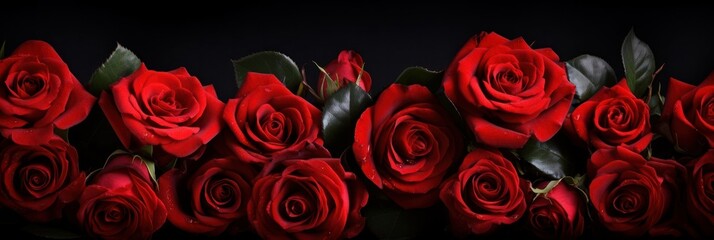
[78, 106]
[36, 48]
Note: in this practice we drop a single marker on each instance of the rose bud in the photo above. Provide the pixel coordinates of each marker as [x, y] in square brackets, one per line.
[557, 214]
[347, 68]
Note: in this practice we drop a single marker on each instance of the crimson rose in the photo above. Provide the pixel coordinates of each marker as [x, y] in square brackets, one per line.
[700, 193]
[559, 214]
[689, 111]
[209, 198]
[38, 181]
[307, 199]
[610, 118]
[631, 195]
[266, 120]
[507, 91]
[347, 68]
[485, 193]
[405, 144]
[39, 93]
[120, 202]
[167, 109]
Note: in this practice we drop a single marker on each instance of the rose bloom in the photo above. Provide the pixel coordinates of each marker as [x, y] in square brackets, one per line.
[170, 110]
[119, 201]
[39, 95]
[507, 91]
[634, 196]
[39, 181]
[610, 118]
[485, 193]
[700, 193]
[559, 214]
[307, 199]
[266, 120]
[209, 196]
[406, 143]
[689, 111]
[344, 70]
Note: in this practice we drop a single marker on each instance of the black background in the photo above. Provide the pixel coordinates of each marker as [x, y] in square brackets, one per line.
[390, 38]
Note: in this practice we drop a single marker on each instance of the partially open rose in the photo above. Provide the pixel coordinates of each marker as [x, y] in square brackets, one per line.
[120, 201]
[689, 111]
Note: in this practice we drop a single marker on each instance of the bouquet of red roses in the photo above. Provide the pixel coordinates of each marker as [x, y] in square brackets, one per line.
[507, 141]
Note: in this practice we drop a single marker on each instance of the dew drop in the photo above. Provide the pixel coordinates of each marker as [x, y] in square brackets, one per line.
[267, 89]
[576, 117]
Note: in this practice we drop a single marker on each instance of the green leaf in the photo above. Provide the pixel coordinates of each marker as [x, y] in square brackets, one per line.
[639, 63]
[388, 221]
[121, 63]
[151, 166]
[50, 232]
[552, 159]
[274, 63]
[421, 76]
[341, 112]
[2, 50]
[146, 151]
[589, 73]
[656, 102]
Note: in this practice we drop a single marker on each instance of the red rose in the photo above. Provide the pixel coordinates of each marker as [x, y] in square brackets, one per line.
[405, 144]
[610, 118]
[689, 111]
[39, 94]
[120, 202]
[485, 193]
[167, 109]
[559, 214]
[700, 193]
[266, 120]
[307, 199]
[210, 198]
[38, 181]
[347, 68]
[507, 91]
[629, 193]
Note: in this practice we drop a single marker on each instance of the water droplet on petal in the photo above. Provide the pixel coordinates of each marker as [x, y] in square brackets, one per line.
[576, 117]
[267, 89]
